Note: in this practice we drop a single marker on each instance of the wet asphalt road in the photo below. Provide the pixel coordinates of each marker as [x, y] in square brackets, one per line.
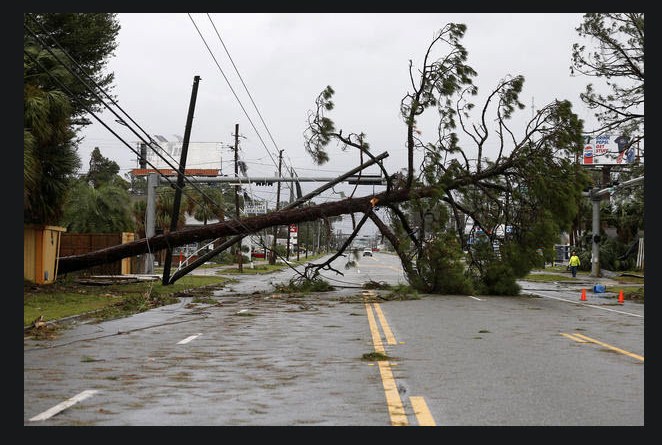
[258, 358]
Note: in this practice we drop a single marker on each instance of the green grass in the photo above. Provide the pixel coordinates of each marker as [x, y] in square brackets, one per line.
[559, 273]
[66, 297]
[548, 277]
[629, 288]
[255, 270]
[375, 356]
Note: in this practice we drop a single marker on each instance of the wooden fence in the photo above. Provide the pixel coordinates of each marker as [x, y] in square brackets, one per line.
[81, 243]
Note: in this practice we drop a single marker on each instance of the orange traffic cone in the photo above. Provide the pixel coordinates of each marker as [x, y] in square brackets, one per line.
[583, 294]
[620, 297]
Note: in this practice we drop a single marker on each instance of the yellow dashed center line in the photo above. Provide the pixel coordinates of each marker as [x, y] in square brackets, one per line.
[421, 411]
[395, 408]
[376, 338]
[574, 338]
[390, 338]
[584, 339]
[394, 403]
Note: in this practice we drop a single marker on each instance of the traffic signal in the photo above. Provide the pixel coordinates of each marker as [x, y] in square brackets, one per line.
[365, 180]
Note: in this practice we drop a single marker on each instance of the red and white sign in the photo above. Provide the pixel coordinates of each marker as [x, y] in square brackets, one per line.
[588, 155]
[294, 228]
[607, 149]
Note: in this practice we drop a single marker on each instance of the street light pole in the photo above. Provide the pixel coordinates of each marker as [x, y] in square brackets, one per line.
[596, 196]
[595, 239]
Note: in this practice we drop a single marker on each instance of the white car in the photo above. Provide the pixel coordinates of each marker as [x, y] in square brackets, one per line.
[367, 252]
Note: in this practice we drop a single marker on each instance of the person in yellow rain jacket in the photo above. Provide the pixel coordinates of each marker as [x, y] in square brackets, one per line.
[574, 263]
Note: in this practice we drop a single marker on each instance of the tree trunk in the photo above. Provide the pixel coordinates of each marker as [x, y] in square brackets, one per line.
[237, 227]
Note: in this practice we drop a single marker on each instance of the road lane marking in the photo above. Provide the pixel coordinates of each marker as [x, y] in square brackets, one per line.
[396, 410]
[390, 338]
[585, 304]
[393, 402]
[608, 346]
[381, 266]
[188, 339]
[574, 338]
[374, 330]
[64, 405]
[421, 411]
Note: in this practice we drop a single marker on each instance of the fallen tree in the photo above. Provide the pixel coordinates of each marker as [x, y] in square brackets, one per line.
[242, 226]
[476, 170]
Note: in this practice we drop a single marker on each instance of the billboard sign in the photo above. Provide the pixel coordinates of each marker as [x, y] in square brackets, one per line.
[607, 149]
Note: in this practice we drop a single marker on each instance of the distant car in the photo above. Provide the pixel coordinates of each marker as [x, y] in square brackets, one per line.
[367, 252]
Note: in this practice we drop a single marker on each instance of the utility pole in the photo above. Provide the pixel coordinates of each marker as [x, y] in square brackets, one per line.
[595, 239]
[308, 243]
[150, 216]
[289, 232]
[237, 189]
[201, 260]
[272, 256]
[596, 196]
[180, 179]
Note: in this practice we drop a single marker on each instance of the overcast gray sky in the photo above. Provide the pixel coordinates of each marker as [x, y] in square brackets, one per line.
[286, 59]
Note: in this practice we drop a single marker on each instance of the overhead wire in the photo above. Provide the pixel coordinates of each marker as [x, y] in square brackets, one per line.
[245, 87]
[148, 140]
[227, 52]
[233, 92]
[120, 120]
[211, 53]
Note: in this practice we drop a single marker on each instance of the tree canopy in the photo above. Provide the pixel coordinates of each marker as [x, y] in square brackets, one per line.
[85, 41]
[614, 55]
[486, 173]
[64, 57]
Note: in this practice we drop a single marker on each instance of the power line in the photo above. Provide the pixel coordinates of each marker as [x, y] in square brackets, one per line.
[243, 83]
[120, 120]
[231, 89]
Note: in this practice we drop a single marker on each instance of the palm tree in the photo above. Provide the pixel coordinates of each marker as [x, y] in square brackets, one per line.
[104, 209]
[50, 156]
[165, 203]
[207, 204]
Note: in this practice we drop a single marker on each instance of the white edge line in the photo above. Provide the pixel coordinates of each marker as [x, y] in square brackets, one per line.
[64, 405]
[188, 339]
[589, 305]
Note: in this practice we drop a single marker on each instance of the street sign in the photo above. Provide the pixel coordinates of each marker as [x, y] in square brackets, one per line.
[255, 208]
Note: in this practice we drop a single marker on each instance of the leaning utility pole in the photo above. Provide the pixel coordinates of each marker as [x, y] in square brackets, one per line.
[180, 180]
[237, 189]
